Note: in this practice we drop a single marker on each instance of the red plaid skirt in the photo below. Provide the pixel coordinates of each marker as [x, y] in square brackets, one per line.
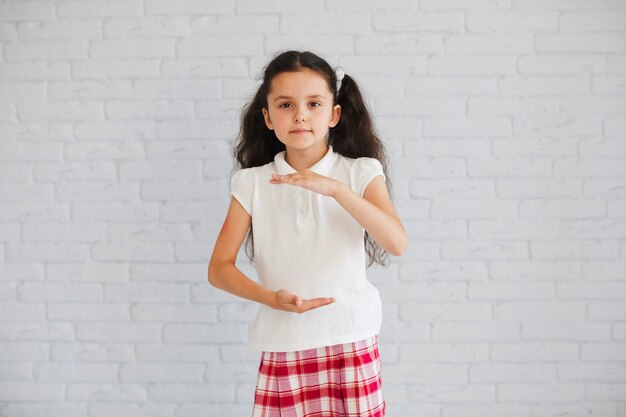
[330, 381]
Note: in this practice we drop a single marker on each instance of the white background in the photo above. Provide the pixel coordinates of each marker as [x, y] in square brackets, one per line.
[505, 122]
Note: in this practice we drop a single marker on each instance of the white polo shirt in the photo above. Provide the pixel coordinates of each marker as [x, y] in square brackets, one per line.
[308, 244]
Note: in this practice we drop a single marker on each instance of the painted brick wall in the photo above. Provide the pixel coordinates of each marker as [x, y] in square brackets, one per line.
[506, 125]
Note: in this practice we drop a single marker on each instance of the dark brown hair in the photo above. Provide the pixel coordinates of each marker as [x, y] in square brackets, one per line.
[353, 137]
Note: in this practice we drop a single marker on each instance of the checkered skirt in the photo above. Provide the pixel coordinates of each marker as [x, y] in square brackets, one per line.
[330, 381]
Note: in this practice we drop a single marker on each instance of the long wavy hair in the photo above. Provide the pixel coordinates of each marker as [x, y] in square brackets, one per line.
[353, 137]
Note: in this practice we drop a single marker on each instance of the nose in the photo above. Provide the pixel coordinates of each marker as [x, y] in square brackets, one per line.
[299, 115]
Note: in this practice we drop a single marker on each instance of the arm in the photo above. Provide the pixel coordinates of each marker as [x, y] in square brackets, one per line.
[375, 212]
[224, 274]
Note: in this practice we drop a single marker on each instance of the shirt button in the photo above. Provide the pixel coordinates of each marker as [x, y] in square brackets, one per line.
[303, 209]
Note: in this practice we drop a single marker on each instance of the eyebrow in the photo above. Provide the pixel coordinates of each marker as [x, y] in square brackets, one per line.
[288, 97]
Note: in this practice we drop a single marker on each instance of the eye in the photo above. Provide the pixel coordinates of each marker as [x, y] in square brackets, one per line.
[282, 105]
[316, 104]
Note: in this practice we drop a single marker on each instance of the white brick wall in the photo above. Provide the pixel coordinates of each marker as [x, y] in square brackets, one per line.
[506, 125]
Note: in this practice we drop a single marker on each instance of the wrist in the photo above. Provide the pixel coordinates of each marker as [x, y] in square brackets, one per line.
[338, 189]
[269, 299]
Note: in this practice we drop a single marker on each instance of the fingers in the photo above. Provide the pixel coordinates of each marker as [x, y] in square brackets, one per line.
[291, 302]
[315, 303]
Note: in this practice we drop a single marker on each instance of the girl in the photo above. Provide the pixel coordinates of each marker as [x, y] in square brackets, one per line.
[311, 196]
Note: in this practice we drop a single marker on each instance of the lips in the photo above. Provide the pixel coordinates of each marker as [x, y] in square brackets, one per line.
[300, 131]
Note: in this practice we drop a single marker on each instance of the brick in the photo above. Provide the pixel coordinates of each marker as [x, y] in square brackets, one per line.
[115, 68]
[147, 28]
[493, 43]
[534, 351]
[101, 351]
[148, 110]
[44, 409]
[206, 333]
[12, 192]
[192, 393]
[114, 211]
[470, 64]
[18, 311]
[42, 70]
[70, 110]
[72, 29]
[118, 332]
[565, 330]
[155, 252]
[27, 212]
[47, 51]
[561, 63]
[41, 252]
[408, 43]
[201, 353]
[174, 7]
[77, 9]
[418, 22]
[88, 271]
[208, 189]
[75, 372]
[14, 391]
[89, 90]
[204, 67]
[125, 409]
[174, 312]
[512, 106]
[496, 372]
[576, 42]
[216, 25]
[62, 232]
[587, 372]
[17, 352]
[597, 21]
[22, 91]
[33, 10]
[160, 372]
[106, 392]
[39, 331]
[537, 310]
[512, 21]
[92, 311]
[466, 127]
[229, 46]
[475, 332]
[132, 48]
[35, 291]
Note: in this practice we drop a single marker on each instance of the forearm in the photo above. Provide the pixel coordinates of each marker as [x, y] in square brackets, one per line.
[380, 225]
[227, 277]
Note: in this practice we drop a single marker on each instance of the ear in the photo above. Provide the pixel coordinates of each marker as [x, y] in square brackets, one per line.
[266, 117]
[336, 115]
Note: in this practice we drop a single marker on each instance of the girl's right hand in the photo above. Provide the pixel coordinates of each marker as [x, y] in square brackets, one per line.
[290, 302]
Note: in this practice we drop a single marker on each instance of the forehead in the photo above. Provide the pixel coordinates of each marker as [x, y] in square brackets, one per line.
[304, 82]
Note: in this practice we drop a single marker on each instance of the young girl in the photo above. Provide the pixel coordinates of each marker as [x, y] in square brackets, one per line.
[311, 196]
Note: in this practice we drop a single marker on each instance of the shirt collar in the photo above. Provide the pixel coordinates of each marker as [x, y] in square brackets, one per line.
[321, 167]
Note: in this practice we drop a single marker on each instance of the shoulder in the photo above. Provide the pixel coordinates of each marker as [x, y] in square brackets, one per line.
[252, 172]
[361, 164]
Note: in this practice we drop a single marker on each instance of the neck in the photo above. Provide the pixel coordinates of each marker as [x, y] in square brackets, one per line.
[300, 159]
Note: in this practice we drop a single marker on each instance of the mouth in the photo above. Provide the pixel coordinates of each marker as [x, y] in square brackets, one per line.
[300, 131]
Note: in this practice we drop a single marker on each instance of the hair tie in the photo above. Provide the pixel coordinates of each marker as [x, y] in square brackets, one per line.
[339, 74]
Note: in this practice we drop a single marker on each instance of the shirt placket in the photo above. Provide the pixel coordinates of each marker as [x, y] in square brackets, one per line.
[304, 208]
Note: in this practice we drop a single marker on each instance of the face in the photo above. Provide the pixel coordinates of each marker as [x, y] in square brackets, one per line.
[300, 109]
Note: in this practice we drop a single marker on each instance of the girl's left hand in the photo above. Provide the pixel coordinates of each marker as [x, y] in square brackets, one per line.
[309, 180]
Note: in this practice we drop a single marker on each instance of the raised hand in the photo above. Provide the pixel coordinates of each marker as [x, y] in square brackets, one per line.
[309, 180]
[287, 301]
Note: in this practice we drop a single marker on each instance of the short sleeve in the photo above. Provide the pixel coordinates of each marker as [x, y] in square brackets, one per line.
[241, 187]
[367, 170]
